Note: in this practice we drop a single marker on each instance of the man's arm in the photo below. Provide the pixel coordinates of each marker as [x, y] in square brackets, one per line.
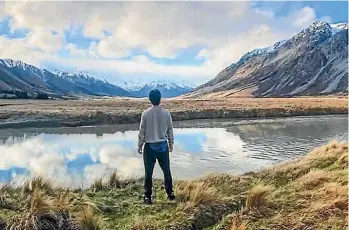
[170, 133]
[141, 134]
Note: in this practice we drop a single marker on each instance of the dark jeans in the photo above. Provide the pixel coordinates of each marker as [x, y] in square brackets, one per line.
[149, 157]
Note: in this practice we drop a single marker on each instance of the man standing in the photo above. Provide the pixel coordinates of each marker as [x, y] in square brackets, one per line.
[156, 134]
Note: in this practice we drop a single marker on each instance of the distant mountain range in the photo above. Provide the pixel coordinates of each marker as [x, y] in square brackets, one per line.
[313, 62]
[168, 88]
[19, 76]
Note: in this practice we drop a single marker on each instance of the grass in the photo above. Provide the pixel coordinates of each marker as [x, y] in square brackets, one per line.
[308, 193]
[195, 192]
[87, 219]
[127, 111]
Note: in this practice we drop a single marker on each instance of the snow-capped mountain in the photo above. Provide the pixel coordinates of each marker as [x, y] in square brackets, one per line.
[168, 88]
[16, 75]
[312, 62]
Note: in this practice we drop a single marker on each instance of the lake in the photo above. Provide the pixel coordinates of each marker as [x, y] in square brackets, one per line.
[78, 156]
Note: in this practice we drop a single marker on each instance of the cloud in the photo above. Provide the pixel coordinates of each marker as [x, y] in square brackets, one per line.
[118, 151]
[304, 17]
[225, 30]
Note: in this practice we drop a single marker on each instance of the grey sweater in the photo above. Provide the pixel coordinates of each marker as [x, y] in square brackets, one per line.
[155, 126]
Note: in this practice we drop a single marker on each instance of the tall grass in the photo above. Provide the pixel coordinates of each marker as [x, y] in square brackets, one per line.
[195, 192]
[37, 182]
[88, 219]
[257, 196]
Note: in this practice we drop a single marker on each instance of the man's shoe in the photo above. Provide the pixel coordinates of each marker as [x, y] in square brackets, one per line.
[171, 196]
[147, 200]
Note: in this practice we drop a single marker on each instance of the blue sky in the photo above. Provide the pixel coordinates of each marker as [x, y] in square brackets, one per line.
[189, 41]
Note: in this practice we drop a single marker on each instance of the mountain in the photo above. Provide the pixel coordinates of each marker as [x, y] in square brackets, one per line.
[16, 75]
[98, 87]
[313, 62]
[167, 88]
[19, 76]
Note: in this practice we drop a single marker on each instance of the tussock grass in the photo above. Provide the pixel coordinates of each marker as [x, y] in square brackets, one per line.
[142, 223]
[37, 182]
[40, 204]
[308, 193]
[115, 180]
[88, 219]
[238, 223]
[98, 185]
[257, 196]
[64, 201]
[195, 192]
[313, 179]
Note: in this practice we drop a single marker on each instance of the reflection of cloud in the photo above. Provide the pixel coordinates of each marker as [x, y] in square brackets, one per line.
[76, 159]
[79, 159]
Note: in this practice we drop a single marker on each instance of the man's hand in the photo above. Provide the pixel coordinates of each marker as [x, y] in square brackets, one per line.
[140, 149]
[170, 148]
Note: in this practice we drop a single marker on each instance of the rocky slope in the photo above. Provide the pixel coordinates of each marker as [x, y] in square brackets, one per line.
[313, 62]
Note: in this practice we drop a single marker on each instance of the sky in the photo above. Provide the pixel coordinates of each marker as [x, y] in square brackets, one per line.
[133, 41]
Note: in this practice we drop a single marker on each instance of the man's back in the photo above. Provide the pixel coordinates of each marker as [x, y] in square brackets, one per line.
[154, 130]
[156, 126]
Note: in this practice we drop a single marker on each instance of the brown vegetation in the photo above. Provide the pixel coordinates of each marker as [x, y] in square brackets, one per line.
[126, 111]
[308, 193]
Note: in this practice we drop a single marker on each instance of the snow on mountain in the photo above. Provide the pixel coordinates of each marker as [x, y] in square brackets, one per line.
[338, 27]
[312, 62]
[169, 88]
[317, 31]
[134, 85]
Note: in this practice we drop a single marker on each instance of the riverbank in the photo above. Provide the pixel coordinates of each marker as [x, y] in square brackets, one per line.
[72, 113]
[308, 193]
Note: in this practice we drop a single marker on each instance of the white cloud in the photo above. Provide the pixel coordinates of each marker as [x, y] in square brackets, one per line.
[304, 17]
[111, 48]
[218, 150]
[226, 30]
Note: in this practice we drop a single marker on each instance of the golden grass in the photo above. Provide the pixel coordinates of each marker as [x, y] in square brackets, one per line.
[308, 193]
[121, 110]
[37, 182]
[313, 179]
[334, 149]
[238, 223]
[88, 219]
[257, 196]
[195, 192]
[40, 204]
[64, 201]
[114, 180]
[141, 222]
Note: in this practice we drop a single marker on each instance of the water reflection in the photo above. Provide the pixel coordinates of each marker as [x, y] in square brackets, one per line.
[74, 159]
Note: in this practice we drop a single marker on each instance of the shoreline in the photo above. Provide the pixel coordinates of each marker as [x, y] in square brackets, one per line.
[108, 112]
[310, 186]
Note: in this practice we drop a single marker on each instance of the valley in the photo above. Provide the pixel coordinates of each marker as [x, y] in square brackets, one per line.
[57, 113]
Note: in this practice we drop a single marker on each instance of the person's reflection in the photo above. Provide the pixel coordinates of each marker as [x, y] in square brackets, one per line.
[99, 134]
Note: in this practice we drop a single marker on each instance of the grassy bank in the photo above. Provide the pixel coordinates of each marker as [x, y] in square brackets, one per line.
[30, 113]
[309, 193]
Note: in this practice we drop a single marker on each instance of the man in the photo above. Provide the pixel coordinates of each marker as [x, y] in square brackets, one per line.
[156, 134]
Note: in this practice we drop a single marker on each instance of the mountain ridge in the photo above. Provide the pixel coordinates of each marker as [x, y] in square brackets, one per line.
[306, 64]
[20, 76]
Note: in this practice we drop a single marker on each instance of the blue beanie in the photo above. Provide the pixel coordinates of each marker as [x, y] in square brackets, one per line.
[155, 96]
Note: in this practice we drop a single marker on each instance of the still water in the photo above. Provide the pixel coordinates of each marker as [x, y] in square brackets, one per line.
[78, 156]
